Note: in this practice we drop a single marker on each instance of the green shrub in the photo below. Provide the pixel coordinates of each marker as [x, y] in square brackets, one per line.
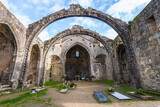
[110, 89]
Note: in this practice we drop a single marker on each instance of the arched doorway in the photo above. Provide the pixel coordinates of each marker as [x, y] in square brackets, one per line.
[55, 69]
[123, 64]
[77, 66]
[8, 50]
[100, 62]
[33, 65]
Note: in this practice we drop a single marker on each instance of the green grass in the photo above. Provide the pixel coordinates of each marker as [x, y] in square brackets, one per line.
[125, 88]
[13, 91]
[150, 92]
[51, 83]
[49, 100]
[59, 87]
[23, 98]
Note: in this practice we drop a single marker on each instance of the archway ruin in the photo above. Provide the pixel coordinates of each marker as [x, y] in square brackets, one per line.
[33, 65]
[76, 10]
[8, 50]
[77, 66]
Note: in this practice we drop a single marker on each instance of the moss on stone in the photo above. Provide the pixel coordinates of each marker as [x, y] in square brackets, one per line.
[136, 19]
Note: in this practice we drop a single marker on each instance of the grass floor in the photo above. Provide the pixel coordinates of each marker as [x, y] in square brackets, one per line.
[51, 83]
[25, 98]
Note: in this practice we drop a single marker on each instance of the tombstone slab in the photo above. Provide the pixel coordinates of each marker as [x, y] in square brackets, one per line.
[100, 97]
[63, 90]
[120, 96]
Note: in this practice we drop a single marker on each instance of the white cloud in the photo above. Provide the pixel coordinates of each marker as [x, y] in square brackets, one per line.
[23, 19]
[46, 1]
[102, 7]
[124, 8]
[110, 33]
[57, 5]
[56, 8]
[84, 22]
[44, 35]
[83, 3]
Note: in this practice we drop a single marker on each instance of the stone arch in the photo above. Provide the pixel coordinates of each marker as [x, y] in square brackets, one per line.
[100, 58]
[77, 43]
[13, 30]
[77, 30]
[56, 59]
[33, 68]
[76, 10]
[82, 45]
[19, 32]
[8, 51]
[63, 59]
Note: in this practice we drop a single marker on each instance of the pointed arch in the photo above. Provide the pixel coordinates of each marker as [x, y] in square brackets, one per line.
[77, 11]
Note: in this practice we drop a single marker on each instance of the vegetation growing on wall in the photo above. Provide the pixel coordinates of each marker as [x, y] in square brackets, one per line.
[50, 72]
[131, 22]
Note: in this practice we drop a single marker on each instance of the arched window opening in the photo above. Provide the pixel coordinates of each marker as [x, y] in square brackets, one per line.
[77, 68]
[77, 54]
[33, 65]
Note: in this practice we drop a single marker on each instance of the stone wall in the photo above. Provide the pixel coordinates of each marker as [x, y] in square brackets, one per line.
[120, 66]
[99, 70]
[33, 55]
[145, 35]
[19, 33]
[7, 51]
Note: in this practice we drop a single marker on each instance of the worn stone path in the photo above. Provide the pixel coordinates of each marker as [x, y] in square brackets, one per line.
[83, 97]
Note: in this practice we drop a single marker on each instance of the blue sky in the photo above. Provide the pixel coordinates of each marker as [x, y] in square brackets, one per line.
[29, 11]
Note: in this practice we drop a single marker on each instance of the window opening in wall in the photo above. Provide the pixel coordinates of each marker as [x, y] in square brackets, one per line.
[77, 54]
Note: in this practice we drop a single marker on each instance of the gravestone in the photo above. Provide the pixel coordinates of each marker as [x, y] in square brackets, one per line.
[63, 90]
[120, 96]
[100, 97]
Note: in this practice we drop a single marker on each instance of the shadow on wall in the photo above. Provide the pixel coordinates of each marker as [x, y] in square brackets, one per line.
[8, 48]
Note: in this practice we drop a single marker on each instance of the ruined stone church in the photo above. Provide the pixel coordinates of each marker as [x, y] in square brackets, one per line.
[79, 53]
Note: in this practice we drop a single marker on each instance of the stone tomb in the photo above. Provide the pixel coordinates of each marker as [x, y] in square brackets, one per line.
[120, 96]
[100, 97]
